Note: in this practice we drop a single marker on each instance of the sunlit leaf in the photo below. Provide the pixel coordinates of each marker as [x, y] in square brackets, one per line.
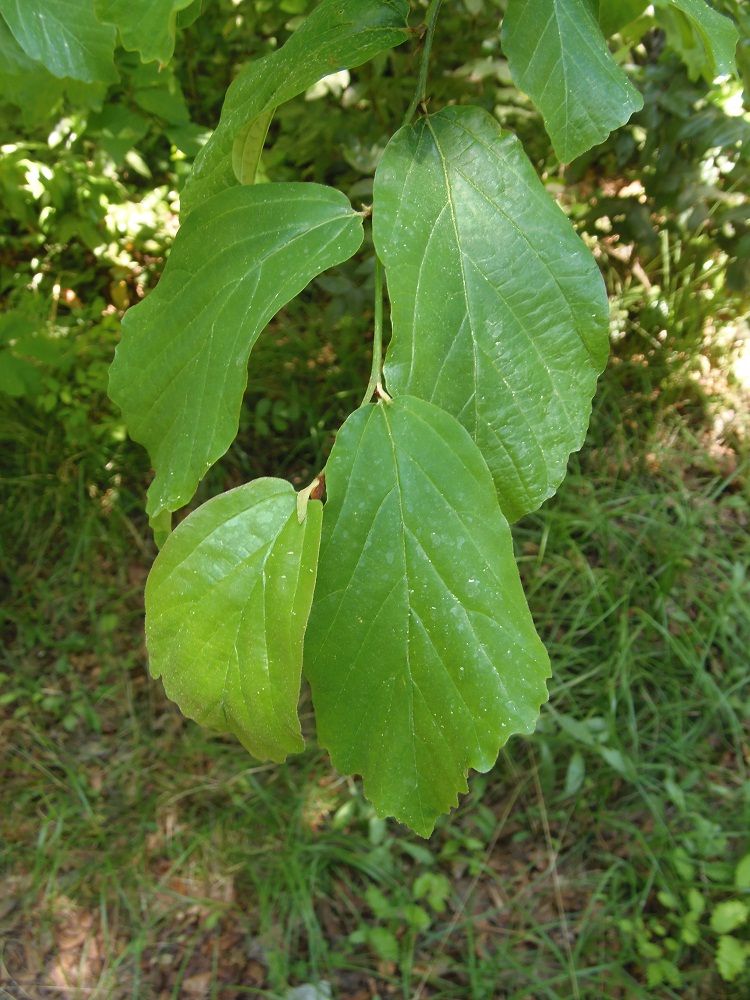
[729, 915]
[227, 603]
[65, 36]
[557, 55]
[499, 312]
[421, 651]
[338, 34]
[181, 368]
[731, 957]
[145, 26]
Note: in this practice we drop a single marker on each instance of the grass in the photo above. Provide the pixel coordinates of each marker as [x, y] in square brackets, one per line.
[144, 857]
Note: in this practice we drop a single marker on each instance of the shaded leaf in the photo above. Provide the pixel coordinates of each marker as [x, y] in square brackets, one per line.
[338, 34]
[742, 873]
[181, 368]
[705, 40]
[421, 651]
[65, 36]
[615, 14]
[227, 603]
[145, 26]
[248, 146]
[499, 312]
[558, 56]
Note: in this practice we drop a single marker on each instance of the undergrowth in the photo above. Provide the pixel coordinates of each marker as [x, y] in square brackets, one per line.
[145, 857]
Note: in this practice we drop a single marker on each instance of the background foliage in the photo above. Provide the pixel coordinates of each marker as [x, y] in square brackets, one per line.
[607, 852]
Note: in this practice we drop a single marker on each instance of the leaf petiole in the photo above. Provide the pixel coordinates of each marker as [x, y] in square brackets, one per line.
[376, 372]
[421, 92]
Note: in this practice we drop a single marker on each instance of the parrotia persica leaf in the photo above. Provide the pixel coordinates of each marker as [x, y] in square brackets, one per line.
[65, 36]
[181, 368]
[421, 651]
[705, 39]
[499, 311]
[557, 54]
[338, 34]
[227, 603]
[145, 26]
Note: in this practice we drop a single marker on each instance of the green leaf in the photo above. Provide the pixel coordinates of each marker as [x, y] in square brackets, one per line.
[338, 34]
[248, 146]
[742, 873]
[705, 39]
[575, 774]
[145, 26]
[731, 956]
[190, 14]
[728, 916]
[421, 651]
[557, 54]
[227, 603]
[613, 15]
[181, 368]
[499, 311]
[65, 36]
[18, 377]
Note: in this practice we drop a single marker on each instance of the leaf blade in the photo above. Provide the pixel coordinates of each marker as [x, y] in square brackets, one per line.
[499, 312]
[247, 147]
[227, 603]
[145, 26]
[338, 34]
[65, 36]
[180, 369]
[558, 56]
[714, 37]
[421, 652]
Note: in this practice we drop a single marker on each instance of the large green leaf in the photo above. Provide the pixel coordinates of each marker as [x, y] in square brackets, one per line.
[421, 651]
[499, 312]
[613, 15]
[338, 34]
[705, 39]
[181, 368]
[557, 55]
[65, 36]
[145, 26]
[227, 603]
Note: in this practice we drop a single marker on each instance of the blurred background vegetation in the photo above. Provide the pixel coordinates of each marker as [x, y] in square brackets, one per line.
[608, 855]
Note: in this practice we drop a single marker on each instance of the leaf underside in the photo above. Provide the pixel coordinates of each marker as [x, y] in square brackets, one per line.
[421, 652]
[557, 55]
[499, 311]
[227, 602]
[180, 371]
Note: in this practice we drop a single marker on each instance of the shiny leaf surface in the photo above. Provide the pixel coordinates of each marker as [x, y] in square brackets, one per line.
[557, 54]
[421, 651]
[65, 36]
[499, 312]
